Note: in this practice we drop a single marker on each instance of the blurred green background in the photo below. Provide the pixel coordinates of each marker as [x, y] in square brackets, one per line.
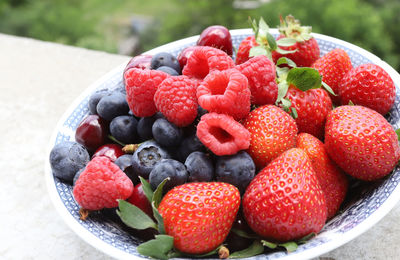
[132, 26]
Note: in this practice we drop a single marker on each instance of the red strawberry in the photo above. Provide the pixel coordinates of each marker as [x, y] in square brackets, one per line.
[333, 181]
[312, 107]
[242, 54]
[261, 75]
[272, 132]
[199, 215]
[370, 86]
[361, 142]
[285, 201]
[307, 49]
[332, 67]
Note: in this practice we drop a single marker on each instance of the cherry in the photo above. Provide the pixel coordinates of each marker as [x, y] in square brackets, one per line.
[216, 36]
[140, 62]
[139, 199]
[184, 55]
[112, 151]
[91, 132]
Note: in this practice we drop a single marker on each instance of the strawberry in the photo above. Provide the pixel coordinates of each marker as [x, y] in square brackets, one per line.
[199, 215]
[333, 181]
[361, 142]
[332, 67]
[368, 85]
[306, 49]
[312, 107]
[242, 54]
[285, 201]
[272, 131]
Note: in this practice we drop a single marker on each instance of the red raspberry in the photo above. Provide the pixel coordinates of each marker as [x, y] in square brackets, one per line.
[101, 184]
[225, 92]
[243, 51]
[261, 74]
[222, 134]
[140, 87]
[176, 99]
[205, 59]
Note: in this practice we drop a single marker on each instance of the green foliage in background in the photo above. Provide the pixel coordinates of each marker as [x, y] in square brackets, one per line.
[97, 24]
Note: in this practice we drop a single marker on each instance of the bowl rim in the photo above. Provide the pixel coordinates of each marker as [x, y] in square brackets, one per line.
[114, 252]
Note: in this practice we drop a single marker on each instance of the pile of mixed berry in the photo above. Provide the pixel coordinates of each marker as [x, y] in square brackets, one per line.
[212, 155]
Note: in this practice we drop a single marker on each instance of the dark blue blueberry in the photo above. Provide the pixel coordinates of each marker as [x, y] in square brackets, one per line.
[189, 145]
[173, 169]
[168, 70]
[145, 124]
[165, 59]
[124, 162]
[95, 98]
[66, 159]
[76, 177]
[237, 169]
[113, 105]
[166, 133]
[200, 167]
[201, 112]
[147, 156]
[124, 129]
[121, 89]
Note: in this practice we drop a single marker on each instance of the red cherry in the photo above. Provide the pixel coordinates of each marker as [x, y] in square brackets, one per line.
[216, 36]
[140, 62]
[139, 199]
[184, 55]
[91, 132]
[112, 151]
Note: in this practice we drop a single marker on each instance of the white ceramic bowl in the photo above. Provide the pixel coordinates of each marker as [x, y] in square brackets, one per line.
[359, 215]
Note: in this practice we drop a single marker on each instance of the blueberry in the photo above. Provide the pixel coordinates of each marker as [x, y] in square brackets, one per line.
[166, 133]
[95, 98]
[124, 129]
[124, 162]
[147, 156]
[168, 70]
[173, 169]
[201, 112]
[145, 124]
[189, 145]
[237, 169]
[200, 167]
[113, 105]
[165, 59]
[66, 159]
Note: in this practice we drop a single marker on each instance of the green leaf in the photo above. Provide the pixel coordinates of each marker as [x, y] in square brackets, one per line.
[263, 26]
[241, 233]
[159, 218]
[282, 90]
[304, 78]
[351, 103]
[134, 217]
[157, 195]
[146, 189]
[213, 252]
[294, 112]
[286, 104]
[306, 238]
[284, 60]
[282, 51]
[269, 244]
[286, 42]
[289, 246]
[282, 73]
[158, 247]
[398, 134]
[271, 42]
[329, 89]
[257, 50]
[254, 249]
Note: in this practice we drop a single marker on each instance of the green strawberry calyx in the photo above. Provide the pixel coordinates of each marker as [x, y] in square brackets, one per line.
[292, 29]
[266, 42]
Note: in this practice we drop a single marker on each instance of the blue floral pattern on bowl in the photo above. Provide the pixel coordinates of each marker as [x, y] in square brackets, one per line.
[336, 232]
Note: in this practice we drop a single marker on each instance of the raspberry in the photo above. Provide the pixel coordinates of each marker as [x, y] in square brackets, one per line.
[225, 92]
[222, 134]
[205, 59]
[100, 185]
[176, 99]
[260, 72]
[140, 87]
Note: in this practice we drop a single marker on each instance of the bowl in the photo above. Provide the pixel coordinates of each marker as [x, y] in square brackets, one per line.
[358, 214]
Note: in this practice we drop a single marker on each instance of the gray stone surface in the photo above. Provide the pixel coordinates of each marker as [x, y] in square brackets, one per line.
[38, 81]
